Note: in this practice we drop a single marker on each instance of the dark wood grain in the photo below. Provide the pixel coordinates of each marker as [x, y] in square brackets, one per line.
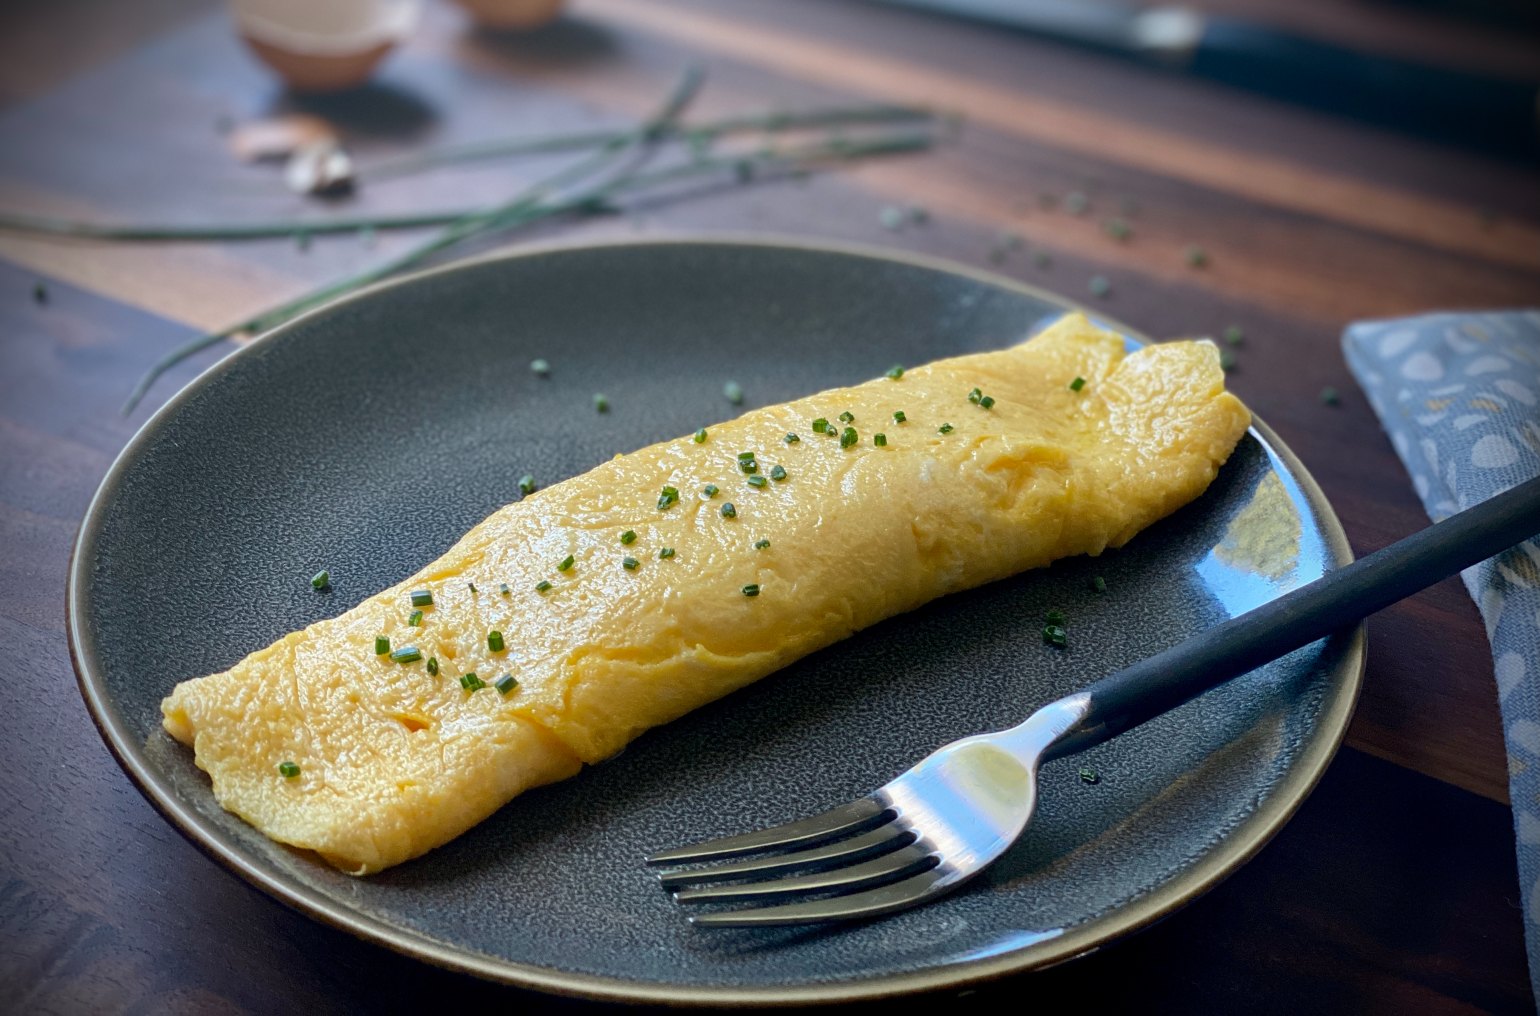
[1394, 889]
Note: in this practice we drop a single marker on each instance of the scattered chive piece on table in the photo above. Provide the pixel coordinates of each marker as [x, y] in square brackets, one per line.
[407, 654]
[1089, 775]
[526, 484]
[1099, 584]
[505, 590]
[734, 392]
[470, 682]
[847, 417]
[1042, 259]
[987, 402]
[1076, 203]
[601, 404]
[880, 440]
[945, 428]
[1329, 397]
[1234, 336]
[381, 645]
[1077, 384]
[975, 395]
[820, 425]
[700, 436]
[433, 665]
[505, 684]
[758, 481]
[892, 217]
[422, 598]
[667, 498]
[1196, 256]
[1226, 360]
[1054, 617]
[1054, 636]
[791, 438]
[761, 544]
[566, 563]
[288, 770]
[752, 589]
[1099, 286]
[540, 367]
[630, 563]
[321, 579]
[777, 473]
[896, 371]
[495, 640]
[415, 620]
[710, 490]
[899, 417]
[728, 511]
[628, 537]
[849, 437]
[39, 293]
[664, 553]
[544, 585]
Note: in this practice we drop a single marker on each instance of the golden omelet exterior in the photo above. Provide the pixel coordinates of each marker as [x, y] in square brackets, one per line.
[395, 760]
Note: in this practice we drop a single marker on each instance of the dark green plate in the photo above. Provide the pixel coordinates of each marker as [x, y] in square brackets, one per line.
[366, 437]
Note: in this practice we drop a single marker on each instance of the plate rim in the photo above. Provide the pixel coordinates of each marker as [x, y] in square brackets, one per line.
[1237, 847]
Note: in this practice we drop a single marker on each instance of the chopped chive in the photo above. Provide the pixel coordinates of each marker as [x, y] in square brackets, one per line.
[987, 402]
[664, 553]
[847, 417]
[628, 537]
[526, 484]
[540, 367]
[566, 563]
[791, 438]
[892, 217]
[1077, 384]
[1196, 256]
[321, 579]
[288, 770]
[761, 544]
[734, 392]
[899, 417]
[1226, 360]
[945, 428]
[503, 588]
[700, 436]
[758, 481]
[1099, 286]
[407, 654]
[495, 641]
[896, 371]
[505, 684]
[752, 589]
[543, 586]
[1089, 775]
[470, 682]
[433, 665]
[1329, 397]
[381, 645]
[1234, 336]
[1054, 617]
[1054, 636]
[630, 564]
[422, 598]
[975, 395]
[472, 586]
[880, 440]
[750, 466]
[415, 620]
[667, 498]
[746, 456]
[777, 473]
[601, 404]
[849, 437]
[728, 511]
[820, 425]
[710, 490]
[1099, 584]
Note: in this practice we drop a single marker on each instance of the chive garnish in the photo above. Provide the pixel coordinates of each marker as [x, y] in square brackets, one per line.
[288, 770]
[495, 640]
[1054, 617]
[880, 440]
[821, 426]
[1054, 636]
[728, 511]
[1118, 229]
[975, 395]
[746, 456]
[667, 498]
[566, 563]
[849, 437]
[433, 665]
[761, 544]
[422, 598]
[628, 537]
[1234, 336]
[544, 585]
[847, 417]
[470, 682]
[526, 484]
[1077, 384]
[987, 402]
[734, 392]
[505, 684]
[321, 579]
[1196, 256]
[899, 417]
[752, 589]
[1099, 584]
[896, 371]
[1089, 775]
[407, 654]
[1226, 360]
[758, 481]
[630, 563]
[1099, 286]
[601, 404]
[664, 553]
[381, 645]
[1329, 397]
[700, 436]
[791, 438]
[749, 466]
[710, 490]
[945, 428]
[777, 473]
[472, 587]
[540, 367]
[415, 620]
[505, 590]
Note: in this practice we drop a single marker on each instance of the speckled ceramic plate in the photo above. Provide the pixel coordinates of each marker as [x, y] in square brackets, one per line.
[368, 436]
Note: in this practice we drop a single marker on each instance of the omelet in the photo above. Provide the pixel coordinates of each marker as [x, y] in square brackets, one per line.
[569, 622]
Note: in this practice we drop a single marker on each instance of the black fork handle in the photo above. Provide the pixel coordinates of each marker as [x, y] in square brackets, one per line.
[1299, 617]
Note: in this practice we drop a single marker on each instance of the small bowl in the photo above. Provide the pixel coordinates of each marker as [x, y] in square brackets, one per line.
[324, 47]
[516, 15]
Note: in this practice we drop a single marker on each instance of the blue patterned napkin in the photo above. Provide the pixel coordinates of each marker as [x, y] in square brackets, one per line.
[1459, 395]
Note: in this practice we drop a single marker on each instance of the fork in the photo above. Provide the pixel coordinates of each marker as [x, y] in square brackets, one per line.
[940, 823]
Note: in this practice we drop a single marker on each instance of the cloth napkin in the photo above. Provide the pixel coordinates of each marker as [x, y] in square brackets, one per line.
[1459, 395]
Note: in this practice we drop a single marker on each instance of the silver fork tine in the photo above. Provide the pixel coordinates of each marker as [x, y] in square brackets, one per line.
[872, 902]
[856, 816]
[847, 851]
[886, 868]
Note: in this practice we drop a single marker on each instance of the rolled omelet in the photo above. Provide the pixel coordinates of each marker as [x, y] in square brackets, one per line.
[666, 578]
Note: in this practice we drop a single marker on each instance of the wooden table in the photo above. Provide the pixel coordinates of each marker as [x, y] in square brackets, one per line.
[1394, 889]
